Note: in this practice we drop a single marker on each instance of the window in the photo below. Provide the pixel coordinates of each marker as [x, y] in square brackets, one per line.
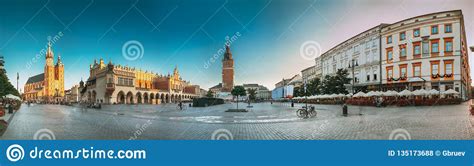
[449, 68]
[402, 36]
[448, 28]
[375, 77]
[417, 70]
[434, 69]
[416, 32]
[434, 29]
[448, 46]
[389, 54]
[426, 48]
[435, 46]
[403, 71]
[389, 73]
[416, 49]
[368, 77]
[389, 39]
[403, 51]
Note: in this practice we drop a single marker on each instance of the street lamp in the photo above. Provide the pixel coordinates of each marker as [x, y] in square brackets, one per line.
[354, 64]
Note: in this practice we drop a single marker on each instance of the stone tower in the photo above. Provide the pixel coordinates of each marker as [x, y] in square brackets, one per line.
[59, 77]
[49, 73]
[227, 71]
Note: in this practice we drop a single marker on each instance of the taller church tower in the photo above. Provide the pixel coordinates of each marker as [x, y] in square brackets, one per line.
[227, 71]
[49, 73]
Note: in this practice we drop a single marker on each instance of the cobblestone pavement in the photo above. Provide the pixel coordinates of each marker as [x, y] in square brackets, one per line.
[264, 121]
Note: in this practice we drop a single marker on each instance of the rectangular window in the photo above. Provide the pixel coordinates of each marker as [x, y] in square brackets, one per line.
[389, 39]
[448, 46]
[434, 29]
[403, 51]
[448, 28]
[402, 36]
[434, 46]
[449, 68]
[435, 68]
[403, 71]
[417, 70]
[417, 49]
[389, 54]
[416, 32]
[426, 48]
[390, 73]
[368, 77]
[375, 77]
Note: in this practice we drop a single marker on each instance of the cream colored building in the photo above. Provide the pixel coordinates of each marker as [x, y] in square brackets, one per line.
[427, 51]
[116, 84]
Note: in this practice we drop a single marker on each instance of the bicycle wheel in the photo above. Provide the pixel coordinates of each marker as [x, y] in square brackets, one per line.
[301, 113]
[312, 113]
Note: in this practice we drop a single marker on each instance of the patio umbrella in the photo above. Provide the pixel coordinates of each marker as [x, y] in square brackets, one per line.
[13, 97]
[359, 94]
[390, 93]
[450, 92]
[433, 92]
[405, 93]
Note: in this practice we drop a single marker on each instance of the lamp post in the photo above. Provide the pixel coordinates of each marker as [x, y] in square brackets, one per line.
[354, 64]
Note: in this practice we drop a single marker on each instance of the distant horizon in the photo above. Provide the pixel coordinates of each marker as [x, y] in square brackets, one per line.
[266, 35]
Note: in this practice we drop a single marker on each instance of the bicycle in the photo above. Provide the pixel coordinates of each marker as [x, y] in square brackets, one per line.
[305, 113]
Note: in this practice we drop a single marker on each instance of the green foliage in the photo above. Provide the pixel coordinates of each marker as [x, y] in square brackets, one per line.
[328, 85]
[252, 93]
[209, 94]
[238, 91]
[6, 87]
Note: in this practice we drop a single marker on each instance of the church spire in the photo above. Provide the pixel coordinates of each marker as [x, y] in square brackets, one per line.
[60, 62]
[227, 54]
[175, 70]
[49, 52]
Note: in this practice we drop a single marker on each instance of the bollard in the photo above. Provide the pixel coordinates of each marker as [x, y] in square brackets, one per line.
[344, 110]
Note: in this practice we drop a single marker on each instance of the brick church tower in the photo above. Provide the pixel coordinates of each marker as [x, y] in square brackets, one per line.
[227, 71]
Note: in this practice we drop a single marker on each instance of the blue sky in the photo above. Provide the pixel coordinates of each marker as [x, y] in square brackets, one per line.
[188, 33]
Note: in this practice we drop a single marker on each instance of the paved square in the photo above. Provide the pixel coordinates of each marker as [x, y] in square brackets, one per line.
[264, 121]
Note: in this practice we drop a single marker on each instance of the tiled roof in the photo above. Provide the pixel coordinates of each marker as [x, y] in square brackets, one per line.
[36, 78]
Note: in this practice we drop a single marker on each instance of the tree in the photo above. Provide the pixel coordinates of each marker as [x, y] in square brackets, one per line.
[252, 93]
[209, 94]
[327, 85]
[340, 79]
[238, 91]
[335, 84]
[6, 87]
[314, 87]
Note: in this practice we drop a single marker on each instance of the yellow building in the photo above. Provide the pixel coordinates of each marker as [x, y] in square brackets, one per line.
[47, 86]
